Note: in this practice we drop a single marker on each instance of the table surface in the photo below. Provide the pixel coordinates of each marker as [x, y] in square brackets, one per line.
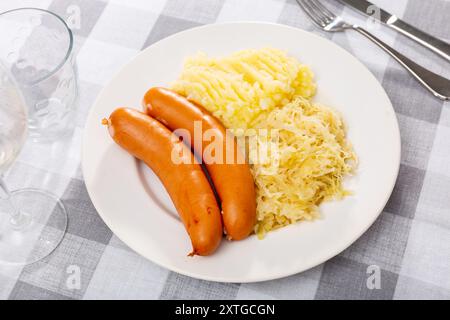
[407, 248]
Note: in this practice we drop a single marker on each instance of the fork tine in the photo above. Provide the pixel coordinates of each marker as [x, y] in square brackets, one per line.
[316, 11]
[324, 9]
[312, 13]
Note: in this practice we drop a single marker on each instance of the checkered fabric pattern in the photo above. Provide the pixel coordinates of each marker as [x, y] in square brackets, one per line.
[410, 241]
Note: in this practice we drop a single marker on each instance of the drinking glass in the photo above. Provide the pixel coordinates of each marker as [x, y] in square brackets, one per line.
[36, 48]
[32, 222]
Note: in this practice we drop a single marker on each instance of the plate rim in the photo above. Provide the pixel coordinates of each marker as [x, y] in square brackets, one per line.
[274, 275]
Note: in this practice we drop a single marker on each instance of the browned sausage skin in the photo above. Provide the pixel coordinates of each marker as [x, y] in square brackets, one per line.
[233, 181]
[148, 140]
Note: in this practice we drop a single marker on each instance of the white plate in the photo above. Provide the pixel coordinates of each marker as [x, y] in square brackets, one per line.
[133, 203]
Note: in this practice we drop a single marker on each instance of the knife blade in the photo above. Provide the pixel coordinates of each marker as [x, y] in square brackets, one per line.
[368, 8]
[434, 44]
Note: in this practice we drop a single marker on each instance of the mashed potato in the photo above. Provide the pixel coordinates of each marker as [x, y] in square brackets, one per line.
[267, 89]
[239, 87]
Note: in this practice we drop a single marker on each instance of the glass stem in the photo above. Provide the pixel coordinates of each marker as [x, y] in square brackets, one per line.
[17, 218]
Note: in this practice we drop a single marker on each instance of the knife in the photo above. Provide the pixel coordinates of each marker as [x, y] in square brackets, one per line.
[436, 45]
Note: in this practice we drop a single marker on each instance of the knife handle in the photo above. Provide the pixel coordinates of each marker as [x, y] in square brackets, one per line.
[437, 85]
[436, 45]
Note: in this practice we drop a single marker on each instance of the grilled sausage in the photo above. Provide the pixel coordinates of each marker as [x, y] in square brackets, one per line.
[193, 197]
[233, 181]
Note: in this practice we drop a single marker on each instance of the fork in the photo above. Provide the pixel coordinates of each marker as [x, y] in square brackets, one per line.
[327, 21]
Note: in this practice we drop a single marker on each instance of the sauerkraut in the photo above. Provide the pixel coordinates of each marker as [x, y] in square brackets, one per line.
[254, 90]
[313, 156]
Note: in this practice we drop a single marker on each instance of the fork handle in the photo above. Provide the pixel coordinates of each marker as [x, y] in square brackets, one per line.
[436, 84]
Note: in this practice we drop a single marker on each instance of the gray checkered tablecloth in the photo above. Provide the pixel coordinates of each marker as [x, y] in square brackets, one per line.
[410, 242]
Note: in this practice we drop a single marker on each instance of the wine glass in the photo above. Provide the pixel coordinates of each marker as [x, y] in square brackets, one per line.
[32, 222]
[36, 48]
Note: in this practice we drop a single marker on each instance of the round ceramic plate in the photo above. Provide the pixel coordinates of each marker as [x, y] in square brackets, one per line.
[133, 203]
